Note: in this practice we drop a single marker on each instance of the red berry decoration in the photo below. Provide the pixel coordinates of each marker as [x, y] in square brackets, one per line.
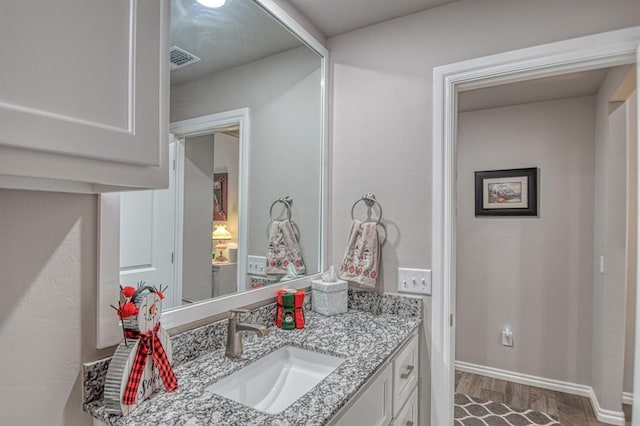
[128, 291]
[127, 309]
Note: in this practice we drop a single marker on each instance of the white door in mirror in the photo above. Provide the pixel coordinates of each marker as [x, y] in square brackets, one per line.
[146, 248]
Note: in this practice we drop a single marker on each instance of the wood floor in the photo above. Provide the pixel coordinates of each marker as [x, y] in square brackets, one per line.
[571, 410]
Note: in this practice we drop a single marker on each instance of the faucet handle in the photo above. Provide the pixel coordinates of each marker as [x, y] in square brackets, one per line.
[234, 313]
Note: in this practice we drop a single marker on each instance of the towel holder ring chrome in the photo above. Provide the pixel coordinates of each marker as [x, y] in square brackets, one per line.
[287, 201]
[370, 200]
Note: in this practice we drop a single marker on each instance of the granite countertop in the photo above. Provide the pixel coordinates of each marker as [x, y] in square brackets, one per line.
[366, 336]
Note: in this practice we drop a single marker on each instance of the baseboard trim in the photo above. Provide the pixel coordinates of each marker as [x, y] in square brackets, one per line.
[627, 398]
[605, 416]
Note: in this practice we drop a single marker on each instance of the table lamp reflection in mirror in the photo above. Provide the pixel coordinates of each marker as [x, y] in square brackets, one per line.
[220, 235]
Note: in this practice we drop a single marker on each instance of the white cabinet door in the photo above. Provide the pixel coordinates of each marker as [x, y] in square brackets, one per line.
[83, 91]
[408, 416]
[373, 407]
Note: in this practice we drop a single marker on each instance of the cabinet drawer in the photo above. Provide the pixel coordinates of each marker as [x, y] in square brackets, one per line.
[408, 415]
[405, 374]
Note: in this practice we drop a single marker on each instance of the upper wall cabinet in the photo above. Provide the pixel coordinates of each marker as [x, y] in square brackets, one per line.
[84, 94]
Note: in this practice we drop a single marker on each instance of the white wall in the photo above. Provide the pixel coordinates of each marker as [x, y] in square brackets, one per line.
[283, 94]
[609, 242]
[531, 274]
[198, 218]
[47, 305]
[382, 98]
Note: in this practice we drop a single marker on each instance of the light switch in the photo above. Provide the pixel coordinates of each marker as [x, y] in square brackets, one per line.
[416, 281]
[257, 265]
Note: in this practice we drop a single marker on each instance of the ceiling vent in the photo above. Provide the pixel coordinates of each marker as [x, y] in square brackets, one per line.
[181, 58]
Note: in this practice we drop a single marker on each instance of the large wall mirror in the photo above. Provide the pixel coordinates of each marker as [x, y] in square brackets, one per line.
[243, 214]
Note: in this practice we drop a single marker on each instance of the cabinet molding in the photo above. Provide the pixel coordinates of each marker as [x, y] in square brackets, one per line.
[84, 106]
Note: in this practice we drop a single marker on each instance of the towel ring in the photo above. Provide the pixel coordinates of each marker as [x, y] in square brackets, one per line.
[287, 201]
[370, 200]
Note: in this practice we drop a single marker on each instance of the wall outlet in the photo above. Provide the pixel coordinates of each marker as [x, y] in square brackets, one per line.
[414, 281]
[507, 337]
[257, 265]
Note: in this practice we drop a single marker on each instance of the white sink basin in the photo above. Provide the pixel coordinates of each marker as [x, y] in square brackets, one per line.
[277, 380]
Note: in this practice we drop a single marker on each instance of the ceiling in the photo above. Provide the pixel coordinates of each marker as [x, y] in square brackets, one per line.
[241, 32]
[333, 17]
[237, 33]
[543, 89]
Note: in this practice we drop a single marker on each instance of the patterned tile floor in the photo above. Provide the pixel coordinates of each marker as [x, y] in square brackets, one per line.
[470, 411]
[568, 409]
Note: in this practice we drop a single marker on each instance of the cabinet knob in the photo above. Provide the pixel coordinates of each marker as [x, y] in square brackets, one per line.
[407, 372]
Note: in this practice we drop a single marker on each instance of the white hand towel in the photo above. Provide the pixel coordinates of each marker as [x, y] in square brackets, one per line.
[360, 263]
[283, 249]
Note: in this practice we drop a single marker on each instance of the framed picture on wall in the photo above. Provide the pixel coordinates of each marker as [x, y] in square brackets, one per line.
[220, 196]
[511, 192]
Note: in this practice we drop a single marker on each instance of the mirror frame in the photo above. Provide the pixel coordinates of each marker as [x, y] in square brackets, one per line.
[108, 331]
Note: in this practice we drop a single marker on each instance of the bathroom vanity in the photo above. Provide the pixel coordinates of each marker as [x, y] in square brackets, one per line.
[375, 381]
[390, 397]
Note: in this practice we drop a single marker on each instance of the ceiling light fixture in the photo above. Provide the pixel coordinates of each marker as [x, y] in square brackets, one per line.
[212, 3]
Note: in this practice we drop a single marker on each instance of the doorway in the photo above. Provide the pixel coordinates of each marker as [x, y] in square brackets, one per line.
[532, 306]
[167, 236]
[597, 51]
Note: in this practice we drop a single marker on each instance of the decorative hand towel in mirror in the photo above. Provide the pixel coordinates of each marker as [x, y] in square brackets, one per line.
[283, 249]
[360, 262]
[142, 361]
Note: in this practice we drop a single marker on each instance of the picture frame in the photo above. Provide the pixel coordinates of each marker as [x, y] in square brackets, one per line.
[512, 192]
[220, 196]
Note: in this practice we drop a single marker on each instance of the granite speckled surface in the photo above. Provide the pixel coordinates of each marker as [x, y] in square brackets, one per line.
[385, 304]
[367, 335]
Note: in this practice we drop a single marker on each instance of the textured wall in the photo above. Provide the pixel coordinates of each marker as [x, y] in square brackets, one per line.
[47, 306]
[531, 274]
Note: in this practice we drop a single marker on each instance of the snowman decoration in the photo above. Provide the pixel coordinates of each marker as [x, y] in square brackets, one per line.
[142, 361]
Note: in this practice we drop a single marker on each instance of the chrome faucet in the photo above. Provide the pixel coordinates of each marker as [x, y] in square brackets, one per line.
[234, 338]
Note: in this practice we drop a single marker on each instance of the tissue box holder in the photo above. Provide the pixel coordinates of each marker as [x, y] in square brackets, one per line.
[329, 298]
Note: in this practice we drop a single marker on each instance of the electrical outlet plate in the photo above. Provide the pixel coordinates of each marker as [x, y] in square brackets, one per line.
[257, 265]
[507, 338]
[416, 281]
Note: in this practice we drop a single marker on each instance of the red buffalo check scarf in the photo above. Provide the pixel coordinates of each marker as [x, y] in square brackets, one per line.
[149, 342]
